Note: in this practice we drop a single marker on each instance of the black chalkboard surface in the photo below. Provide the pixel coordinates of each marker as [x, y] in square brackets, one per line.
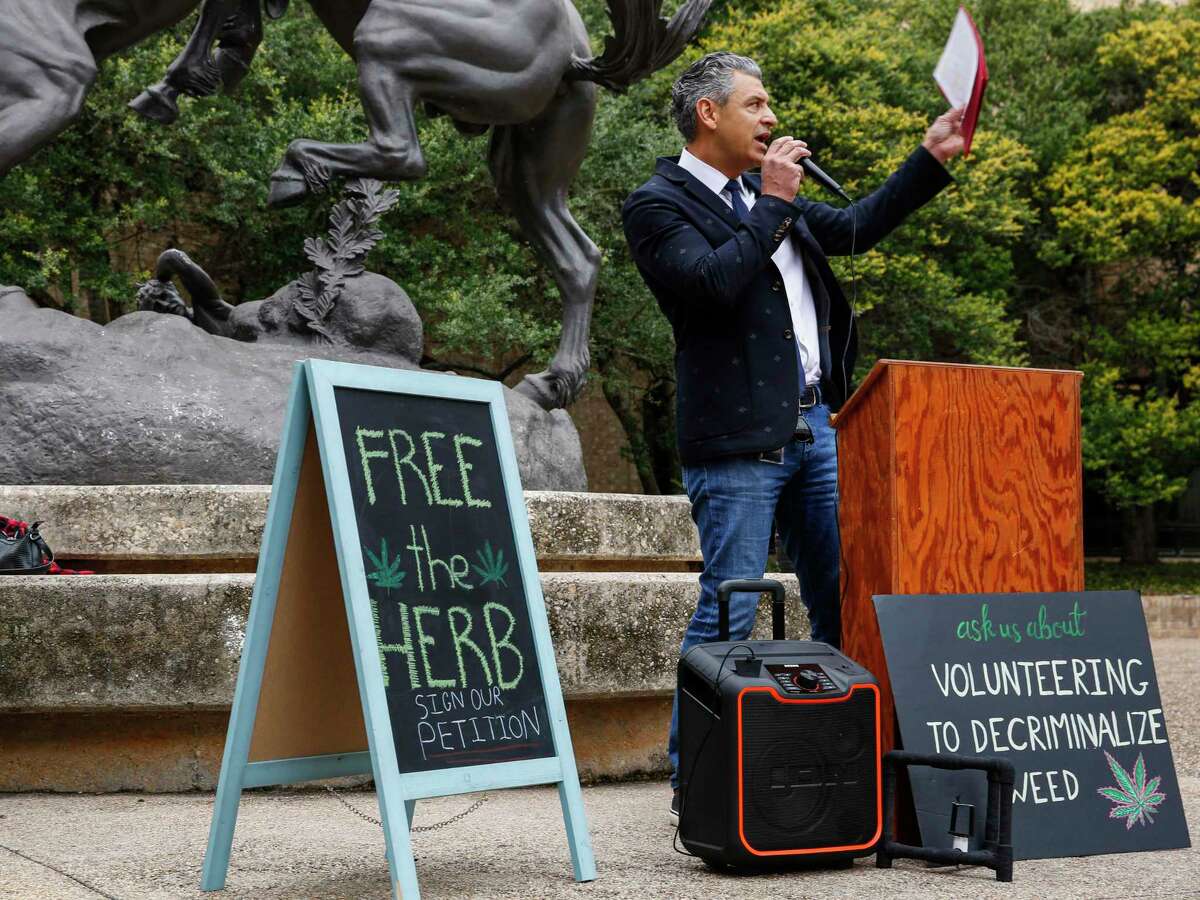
[397, 627]
[1062, 685]
[460, 668]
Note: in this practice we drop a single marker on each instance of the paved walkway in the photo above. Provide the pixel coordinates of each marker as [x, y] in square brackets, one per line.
[306, 845]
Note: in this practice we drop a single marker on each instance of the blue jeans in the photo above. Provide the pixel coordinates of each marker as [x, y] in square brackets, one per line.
[734, 503]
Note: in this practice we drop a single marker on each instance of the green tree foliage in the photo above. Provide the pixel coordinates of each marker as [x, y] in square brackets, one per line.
[1125, 204]
[857, 87]
[1069, 238]
[854, 80]
[84, 218]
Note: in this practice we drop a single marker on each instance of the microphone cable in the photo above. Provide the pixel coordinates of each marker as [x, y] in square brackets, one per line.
[845, 583]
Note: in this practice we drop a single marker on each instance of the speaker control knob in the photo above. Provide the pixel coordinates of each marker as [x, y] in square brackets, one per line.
[807, 680]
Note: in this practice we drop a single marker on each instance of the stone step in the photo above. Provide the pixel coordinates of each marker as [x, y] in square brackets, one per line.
[148, 528]
[137, 643]
[123, 682]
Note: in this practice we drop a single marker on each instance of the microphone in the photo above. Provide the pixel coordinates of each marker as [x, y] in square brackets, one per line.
[818, 175]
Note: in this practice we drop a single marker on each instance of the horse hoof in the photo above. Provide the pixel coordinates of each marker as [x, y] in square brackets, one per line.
[286, 190]
[157, 103]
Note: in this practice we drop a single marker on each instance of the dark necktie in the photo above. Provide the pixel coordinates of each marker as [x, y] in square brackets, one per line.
[739, 205]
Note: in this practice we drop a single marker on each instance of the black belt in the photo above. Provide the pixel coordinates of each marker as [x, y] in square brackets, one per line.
[809, 397]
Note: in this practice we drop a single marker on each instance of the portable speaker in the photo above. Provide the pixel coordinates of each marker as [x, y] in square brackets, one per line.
[779, 756]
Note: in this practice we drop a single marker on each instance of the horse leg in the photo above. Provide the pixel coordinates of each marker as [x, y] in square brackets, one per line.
[199, 72]
[393, 151]
[238, 42]
[194, 72]
[43, 80]
[532, 166]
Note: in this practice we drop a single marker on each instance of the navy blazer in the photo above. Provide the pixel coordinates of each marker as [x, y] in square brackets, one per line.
[736, 365]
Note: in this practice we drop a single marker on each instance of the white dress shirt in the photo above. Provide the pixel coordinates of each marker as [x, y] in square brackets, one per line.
[787, 261]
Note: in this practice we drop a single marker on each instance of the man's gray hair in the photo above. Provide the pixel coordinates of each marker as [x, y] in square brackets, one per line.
[710, 76]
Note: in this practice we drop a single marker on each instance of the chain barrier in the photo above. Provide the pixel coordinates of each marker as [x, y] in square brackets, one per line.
[415, 830]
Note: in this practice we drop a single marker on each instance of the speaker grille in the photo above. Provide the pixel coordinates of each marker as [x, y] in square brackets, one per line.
[809, 775]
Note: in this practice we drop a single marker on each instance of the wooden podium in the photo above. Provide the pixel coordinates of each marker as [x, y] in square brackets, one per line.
[955, 479]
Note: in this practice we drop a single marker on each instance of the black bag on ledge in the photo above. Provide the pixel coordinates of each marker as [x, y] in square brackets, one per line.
[23, 551]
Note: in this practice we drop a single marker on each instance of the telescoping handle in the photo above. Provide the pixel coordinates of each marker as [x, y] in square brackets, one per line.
[757, 586]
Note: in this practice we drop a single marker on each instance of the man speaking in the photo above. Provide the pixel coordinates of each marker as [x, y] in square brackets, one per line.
[765, 339]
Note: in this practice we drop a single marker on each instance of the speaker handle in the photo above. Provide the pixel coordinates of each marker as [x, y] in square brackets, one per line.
[755, 585]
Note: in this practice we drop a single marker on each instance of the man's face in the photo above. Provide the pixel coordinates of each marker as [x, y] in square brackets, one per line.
[744, 123]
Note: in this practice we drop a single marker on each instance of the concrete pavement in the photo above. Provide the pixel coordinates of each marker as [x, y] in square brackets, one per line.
[304, 844]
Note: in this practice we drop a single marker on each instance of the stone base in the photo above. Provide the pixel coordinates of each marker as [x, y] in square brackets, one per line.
[181, 751]
[153, 399]
[123, 681]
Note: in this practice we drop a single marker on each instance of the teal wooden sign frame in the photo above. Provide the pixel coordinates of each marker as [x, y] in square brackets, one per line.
[276, 731]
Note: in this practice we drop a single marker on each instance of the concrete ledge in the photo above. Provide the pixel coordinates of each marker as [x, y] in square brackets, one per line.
[121, 641]
[196, 521]
[180, 750]
[153, 642]
[225, 522]
[629, 529]
[159, 642]
[123, 682]
[619, 634]
[1172, 615]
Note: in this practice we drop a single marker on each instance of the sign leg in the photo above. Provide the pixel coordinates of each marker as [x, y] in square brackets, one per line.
[579, 839]
[220, 834]
[400, 858]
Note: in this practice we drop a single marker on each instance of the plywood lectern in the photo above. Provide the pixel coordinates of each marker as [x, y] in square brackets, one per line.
[955, 479]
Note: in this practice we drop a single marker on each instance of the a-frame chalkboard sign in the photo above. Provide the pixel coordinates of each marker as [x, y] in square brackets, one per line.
[397, 570]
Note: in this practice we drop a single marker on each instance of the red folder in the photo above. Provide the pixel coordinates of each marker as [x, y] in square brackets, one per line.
[956, 57]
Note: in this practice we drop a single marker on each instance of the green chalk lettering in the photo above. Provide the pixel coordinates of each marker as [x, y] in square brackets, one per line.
[407, 460]
[1042, 629]
[434, 468]
[463, 639]
[1075, 628]
[464, 467]
[498, 645]
[414, 680]
[424, 640]
[364, 454]
[458, 575]
[1011, 630]
[454, 571]
[416, 552]
[980, 629]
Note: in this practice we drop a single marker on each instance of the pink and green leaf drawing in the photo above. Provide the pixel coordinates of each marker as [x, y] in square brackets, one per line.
[1134, 798]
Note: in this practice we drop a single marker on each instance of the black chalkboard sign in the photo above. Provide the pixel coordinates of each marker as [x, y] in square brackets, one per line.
[460, 667]
[1061, 684]
[397, 626]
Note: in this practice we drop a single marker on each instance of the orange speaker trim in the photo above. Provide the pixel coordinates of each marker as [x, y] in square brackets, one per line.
[878, 771]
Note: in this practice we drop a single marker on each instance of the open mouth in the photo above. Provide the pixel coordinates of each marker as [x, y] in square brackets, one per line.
[764, 139]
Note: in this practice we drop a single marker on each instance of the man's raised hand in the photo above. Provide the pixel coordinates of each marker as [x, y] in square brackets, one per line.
[944, 139]
[781, 172]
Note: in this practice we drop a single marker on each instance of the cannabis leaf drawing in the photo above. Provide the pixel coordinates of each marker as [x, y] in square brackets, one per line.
[387, 575]
[494, 568]
[1136, 799]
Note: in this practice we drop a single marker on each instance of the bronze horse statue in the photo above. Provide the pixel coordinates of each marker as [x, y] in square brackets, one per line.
[522, 69]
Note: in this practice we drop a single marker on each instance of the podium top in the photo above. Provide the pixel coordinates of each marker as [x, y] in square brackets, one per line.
[881, 366]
